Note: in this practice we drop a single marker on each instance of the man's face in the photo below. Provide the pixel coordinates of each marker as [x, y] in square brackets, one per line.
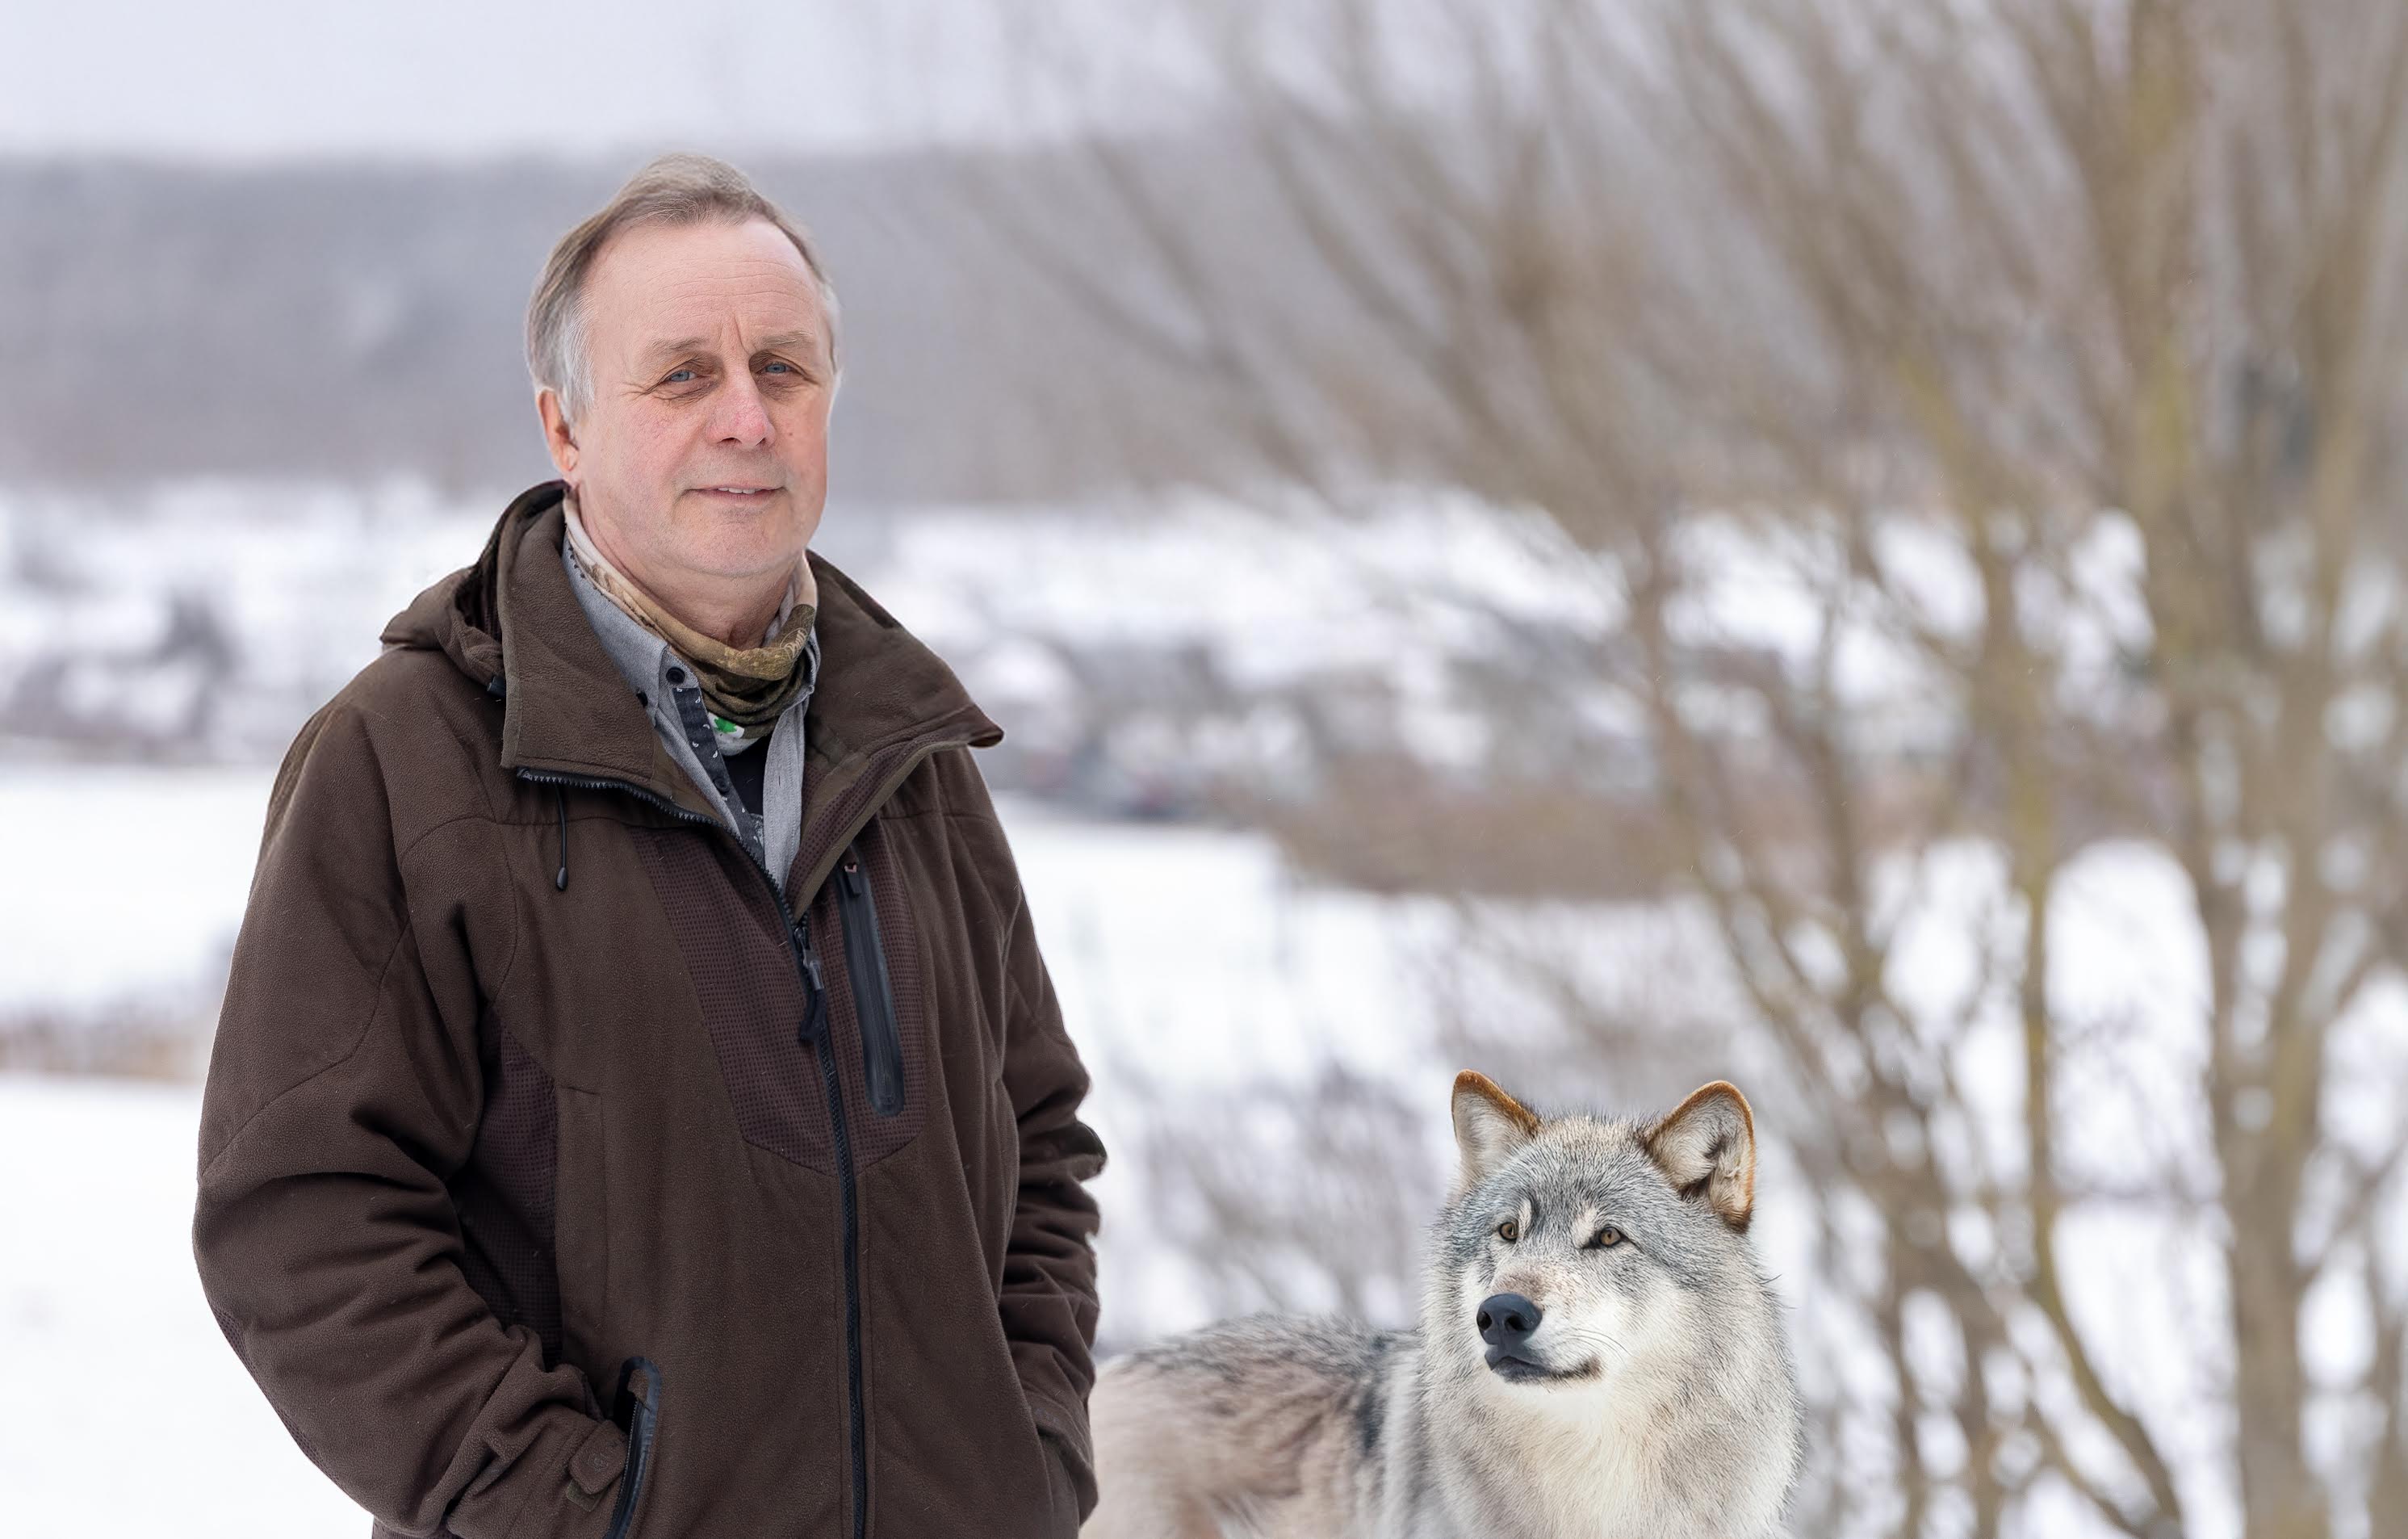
[702, 459]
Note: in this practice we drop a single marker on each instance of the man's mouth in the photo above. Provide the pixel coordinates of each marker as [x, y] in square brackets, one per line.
[1516, 1369]
[738, 491]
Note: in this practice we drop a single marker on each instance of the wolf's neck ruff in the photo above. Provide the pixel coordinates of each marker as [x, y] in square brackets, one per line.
[748, 689]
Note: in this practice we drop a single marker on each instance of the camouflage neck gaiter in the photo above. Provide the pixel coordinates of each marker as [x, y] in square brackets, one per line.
[747, 688]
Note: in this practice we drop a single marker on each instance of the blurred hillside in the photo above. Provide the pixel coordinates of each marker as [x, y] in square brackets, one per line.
[356, 321]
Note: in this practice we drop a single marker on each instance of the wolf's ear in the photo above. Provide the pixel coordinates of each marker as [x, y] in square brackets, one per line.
[1707, 1149]
[1489, 1124]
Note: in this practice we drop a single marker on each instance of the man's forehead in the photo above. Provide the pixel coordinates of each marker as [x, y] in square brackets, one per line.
[681, 288]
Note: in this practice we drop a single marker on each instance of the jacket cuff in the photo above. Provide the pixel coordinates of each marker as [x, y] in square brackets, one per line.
[1070, 1507]
[594, 1468]
[564, 1486]
[1066, 1445]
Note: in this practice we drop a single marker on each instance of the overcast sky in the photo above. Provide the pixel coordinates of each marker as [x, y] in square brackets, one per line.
[279, 80]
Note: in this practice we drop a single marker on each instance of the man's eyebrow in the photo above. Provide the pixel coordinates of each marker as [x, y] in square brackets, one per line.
[683, 344]
[786, 342]
[781, 342]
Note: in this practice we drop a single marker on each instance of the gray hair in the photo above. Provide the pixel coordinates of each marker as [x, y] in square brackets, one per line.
[670, 190]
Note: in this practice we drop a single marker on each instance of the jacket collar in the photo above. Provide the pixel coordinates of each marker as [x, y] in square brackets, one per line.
[881, 697]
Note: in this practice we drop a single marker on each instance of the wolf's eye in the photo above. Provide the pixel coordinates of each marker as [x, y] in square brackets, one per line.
[1606, 1238]
[1509, 1232]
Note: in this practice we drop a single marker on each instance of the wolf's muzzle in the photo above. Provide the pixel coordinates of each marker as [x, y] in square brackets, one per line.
[1507, 1321]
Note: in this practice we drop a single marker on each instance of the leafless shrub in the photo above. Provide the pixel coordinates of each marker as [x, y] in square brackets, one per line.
[2044, 353]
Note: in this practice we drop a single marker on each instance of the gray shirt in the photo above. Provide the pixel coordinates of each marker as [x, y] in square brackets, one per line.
[673, 698]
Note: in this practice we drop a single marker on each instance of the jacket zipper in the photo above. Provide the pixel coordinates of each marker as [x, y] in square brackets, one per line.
[812, 1032]
[873, 988]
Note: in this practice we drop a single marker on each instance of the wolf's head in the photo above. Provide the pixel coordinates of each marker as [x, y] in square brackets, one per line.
[1594, 1311]
[1581, 1252]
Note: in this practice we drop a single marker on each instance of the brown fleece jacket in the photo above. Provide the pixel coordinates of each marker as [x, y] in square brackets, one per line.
[640, 1205]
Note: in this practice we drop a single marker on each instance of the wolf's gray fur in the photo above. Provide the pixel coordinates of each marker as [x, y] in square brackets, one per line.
[1653, 1399]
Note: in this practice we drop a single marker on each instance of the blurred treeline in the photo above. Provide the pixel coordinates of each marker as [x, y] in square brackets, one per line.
[356, 321]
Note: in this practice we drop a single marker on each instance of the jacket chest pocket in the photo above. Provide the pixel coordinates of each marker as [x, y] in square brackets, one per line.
[789, 1063]
[871, 956]
[749, 991]
[873, 987]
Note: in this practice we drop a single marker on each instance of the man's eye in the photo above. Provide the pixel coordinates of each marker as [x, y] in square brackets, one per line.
[775, 364]
[679, 376]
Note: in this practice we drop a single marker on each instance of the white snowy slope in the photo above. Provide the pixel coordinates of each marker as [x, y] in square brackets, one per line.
[204, 618]
[1185, 954]
[126, 1413]
[1188, 959]
[1185, 958]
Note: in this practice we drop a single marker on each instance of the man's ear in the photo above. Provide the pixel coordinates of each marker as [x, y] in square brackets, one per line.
[1707, 1149]
[1489, 1126]
[557, 436]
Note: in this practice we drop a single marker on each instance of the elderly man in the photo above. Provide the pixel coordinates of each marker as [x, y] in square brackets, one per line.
[639, 1105]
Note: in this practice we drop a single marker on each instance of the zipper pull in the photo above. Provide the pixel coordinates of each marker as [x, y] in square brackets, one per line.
[851, 872]
[814, 1025]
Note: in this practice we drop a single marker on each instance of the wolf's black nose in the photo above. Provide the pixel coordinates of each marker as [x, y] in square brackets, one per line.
[1507, 1319]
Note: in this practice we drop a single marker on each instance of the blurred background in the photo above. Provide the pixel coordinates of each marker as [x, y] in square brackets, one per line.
[1852, 545]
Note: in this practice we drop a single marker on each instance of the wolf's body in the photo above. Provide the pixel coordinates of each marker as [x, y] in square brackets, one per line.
[1636, 1388]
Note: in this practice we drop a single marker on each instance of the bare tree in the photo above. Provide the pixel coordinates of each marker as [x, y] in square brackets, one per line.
[2046, 354]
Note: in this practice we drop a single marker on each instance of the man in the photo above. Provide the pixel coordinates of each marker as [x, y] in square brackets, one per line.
[639, 1105]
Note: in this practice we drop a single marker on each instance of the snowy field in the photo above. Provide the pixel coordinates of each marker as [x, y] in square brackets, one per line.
[127, 1413]
[1189, 958]
[204, 619]
[1187, 954]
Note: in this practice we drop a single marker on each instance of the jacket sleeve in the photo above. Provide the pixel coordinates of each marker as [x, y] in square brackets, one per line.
[1049, 1270]
[344, 1089]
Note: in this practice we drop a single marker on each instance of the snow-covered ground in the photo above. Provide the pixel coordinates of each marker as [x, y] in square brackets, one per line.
[1185, 640]
[126, 1413]
[126, 885]
[1188, 958]
[1188, 954]
[1185, 954]
[1138, 654]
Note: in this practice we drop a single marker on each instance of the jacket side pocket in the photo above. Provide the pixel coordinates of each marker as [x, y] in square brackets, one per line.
[637, 1409]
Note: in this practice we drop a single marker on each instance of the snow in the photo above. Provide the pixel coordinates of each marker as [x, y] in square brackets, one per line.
[99, 851]
[1189, 960]
[290, 582]
[1280, 590]
[104, 1311]
[127, 1413]
[1186, 954]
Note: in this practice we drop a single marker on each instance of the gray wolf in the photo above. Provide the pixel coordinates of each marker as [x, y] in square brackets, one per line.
[1599, 1354]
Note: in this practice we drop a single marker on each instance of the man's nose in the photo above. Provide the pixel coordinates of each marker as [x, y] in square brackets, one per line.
[740, 416]
[1507, 1319]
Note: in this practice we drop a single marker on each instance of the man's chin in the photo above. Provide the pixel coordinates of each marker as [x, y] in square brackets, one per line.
[718, 534]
